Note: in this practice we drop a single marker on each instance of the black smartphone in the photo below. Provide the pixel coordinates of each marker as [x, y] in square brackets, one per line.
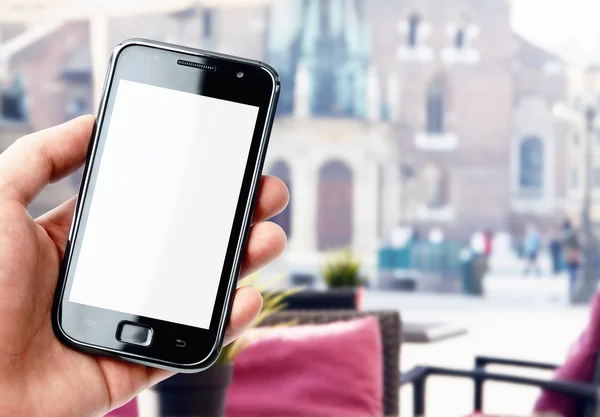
[165, 205]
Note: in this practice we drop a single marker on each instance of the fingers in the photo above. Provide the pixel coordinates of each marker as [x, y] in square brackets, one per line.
[273, 198]
[247, 304]
[35, 160]
[266, 242]
[57, 223]
[246, 308]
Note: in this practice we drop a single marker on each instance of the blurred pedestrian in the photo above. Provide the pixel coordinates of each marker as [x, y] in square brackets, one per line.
[572, 252]
[415, 236]
[532, 245]
[488, 247]
[556, 252]
[478, 243]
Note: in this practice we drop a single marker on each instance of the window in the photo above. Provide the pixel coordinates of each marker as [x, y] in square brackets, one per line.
[335, 211]
[414, 23]
[435, 186]
[76, 107]
[574, 178]
[284, 219]
[324, 20]
[207, 23]
[436, 107]
[596, 177]
[13, 105]
[459, 38]
[531, 162]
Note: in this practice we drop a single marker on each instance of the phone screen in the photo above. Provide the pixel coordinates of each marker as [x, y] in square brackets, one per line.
[163, 205]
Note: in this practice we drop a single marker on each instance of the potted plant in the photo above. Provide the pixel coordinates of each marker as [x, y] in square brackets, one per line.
[341, 274]
[203, 394]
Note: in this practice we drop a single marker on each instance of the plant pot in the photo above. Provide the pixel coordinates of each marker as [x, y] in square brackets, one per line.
[195, 395]
[331, 299]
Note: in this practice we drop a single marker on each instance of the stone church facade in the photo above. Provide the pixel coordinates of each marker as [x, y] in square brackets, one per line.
[424, 112]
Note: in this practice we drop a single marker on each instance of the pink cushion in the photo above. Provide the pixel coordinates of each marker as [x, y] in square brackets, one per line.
[579, 367]
[314, 370]
[128, 410]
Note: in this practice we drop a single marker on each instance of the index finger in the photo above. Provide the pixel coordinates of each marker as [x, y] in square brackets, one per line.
[35, 160]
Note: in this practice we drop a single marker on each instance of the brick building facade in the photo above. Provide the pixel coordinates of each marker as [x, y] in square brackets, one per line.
[428, 112]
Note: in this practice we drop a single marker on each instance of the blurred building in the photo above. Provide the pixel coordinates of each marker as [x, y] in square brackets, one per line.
[474, 119]
[466, 104]
[427, 112]
[584, 92]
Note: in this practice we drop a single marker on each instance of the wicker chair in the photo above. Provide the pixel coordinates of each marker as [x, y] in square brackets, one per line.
[389, 322]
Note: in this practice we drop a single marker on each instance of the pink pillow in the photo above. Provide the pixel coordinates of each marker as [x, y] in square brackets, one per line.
[579, 367]
[314, 370]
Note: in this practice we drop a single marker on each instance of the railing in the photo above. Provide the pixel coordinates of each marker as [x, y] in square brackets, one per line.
[439, 267]
[442, 257]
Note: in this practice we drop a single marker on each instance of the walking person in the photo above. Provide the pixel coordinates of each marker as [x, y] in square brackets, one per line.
[556, 252]
[572, 252]
[532, 246]
[488, 241]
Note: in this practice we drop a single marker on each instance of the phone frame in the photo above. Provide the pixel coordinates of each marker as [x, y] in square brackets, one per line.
[134, 354]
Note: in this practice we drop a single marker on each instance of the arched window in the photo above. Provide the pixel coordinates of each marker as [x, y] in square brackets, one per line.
[574, 178]
[325, 17]
[282, 171]
[335, 205]
[13, 105]
[459, 38]
[414, 23]
[436, 106]
[531, 163]
[596, 177]
[435, 186]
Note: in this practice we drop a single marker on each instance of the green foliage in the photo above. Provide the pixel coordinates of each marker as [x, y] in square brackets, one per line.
[273, 301]
[342, 270]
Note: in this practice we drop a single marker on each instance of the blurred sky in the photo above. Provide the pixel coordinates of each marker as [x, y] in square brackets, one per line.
[569, 27]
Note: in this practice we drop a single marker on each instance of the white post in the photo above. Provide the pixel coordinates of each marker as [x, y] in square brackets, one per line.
[3, 69]
[100, 54]
[302, 92]
[373, 96]
[365, 216]
[393, 96]
[365, 204]
[304, 206]
[391, 198]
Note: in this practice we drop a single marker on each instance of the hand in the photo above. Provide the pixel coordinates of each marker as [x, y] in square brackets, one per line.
[38, 375]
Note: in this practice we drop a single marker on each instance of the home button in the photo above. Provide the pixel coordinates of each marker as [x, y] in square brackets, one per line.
[134, 334]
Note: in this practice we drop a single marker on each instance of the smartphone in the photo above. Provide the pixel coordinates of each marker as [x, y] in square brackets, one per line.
[165, 205]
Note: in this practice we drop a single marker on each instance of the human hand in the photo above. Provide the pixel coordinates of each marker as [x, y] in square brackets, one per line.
[38, 375]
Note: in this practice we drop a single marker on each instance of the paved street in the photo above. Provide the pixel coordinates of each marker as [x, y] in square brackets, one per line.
[526, 318]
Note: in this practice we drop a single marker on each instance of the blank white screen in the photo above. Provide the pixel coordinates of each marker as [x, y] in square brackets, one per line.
[163, 205]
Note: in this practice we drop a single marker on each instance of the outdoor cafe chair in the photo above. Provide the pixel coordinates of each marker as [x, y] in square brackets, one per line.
[573, 392]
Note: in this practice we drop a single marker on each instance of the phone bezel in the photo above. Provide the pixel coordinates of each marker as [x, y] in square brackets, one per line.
[202, 346]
